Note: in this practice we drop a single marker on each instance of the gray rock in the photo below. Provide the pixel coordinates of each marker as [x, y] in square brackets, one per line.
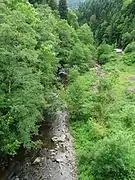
[17, 178]
[37, 160]
[132, 78]
[131, 89]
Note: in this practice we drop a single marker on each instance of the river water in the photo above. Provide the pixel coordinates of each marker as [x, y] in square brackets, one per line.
[54, 161]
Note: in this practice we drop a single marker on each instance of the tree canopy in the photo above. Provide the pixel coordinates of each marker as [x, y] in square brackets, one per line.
[111, 21]
[34, 43]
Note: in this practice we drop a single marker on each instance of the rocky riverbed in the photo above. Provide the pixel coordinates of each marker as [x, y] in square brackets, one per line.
[55, 161]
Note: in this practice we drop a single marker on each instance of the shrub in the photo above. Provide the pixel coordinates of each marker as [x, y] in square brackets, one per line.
[78, 97]
[130, 48]
[81, 56]
[89, 95]
[105, 54]
[129, 58]
[113, 158]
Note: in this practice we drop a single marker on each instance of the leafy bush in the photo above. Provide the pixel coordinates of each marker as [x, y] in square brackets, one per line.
[88, 96]
[104, 58]
[73, 74]
[72, 19]
[85, 34]
[113, 158]
[104, 49]
[126, 39]
[104, 137]
[130, 48]
[105, 54]
[81, 56]
[129, 58]
[76, 46]
[78, 97]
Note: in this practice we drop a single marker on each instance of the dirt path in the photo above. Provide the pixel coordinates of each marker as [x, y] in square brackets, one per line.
[56, 161]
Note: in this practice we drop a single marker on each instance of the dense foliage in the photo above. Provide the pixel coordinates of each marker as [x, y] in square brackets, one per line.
[51, 3]
[101, 101]
[112, 21]
[63, 9]
[102, 110]
[28, 66]
[34, 44]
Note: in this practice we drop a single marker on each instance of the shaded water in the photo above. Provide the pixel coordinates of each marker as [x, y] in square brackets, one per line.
[55, 160]
[10, 167]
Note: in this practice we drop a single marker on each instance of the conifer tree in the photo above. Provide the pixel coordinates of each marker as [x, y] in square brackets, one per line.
[63, 9]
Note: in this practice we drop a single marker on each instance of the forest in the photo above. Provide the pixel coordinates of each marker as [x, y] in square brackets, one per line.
[38, 38]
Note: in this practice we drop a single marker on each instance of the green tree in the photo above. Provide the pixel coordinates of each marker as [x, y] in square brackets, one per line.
[63, 9]
[126, 39]
[52, 4]
[20, 84]
[85, 34]
[105, 54]
[28, 68]
[68, 38]
[72, 19]
[111, 21]
[81, 56]
[130, 47]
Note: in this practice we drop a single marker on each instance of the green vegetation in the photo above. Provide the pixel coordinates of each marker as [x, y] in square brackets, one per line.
[101, 101]
[102, 123]
[28, 66]
[105, 54]
[34, 44]
[112, 21]
[63, 9]
[39, 39]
